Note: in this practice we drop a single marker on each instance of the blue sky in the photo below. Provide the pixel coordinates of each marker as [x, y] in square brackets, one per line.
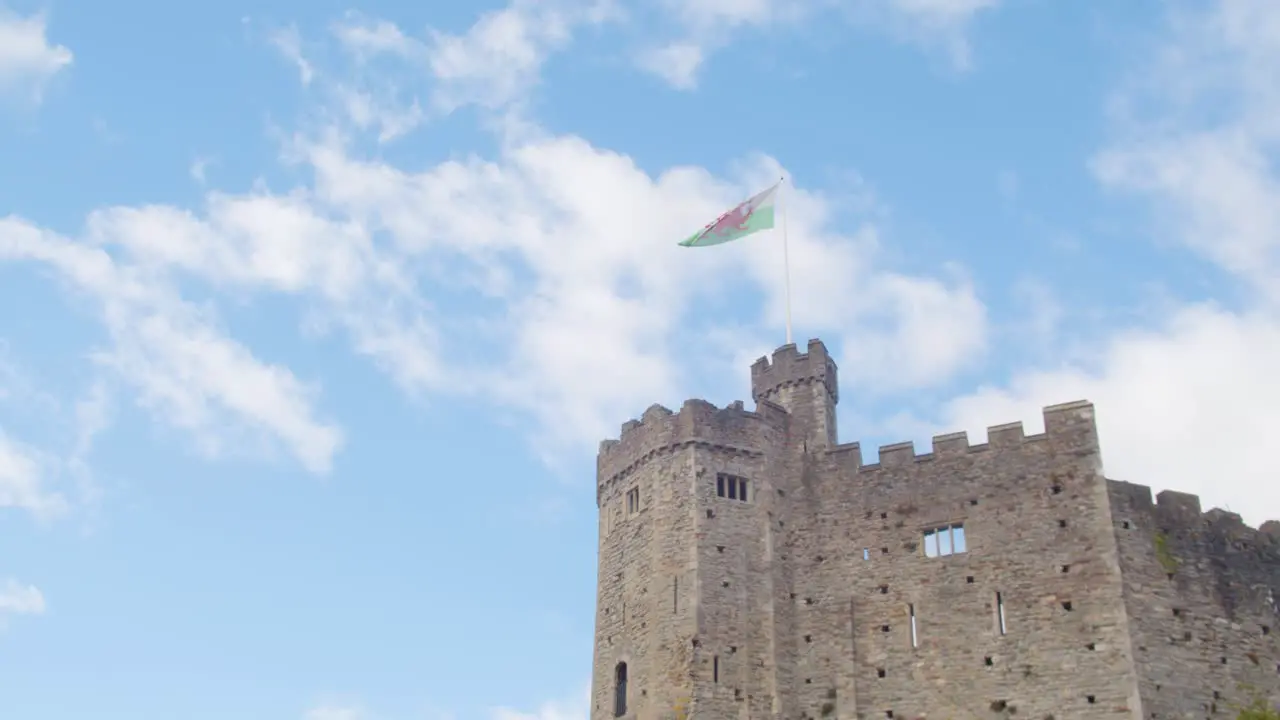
[312, 315]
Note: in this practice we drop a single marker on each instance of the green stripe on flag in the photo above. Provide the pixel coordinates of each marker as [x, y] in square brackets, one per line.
[753, 215]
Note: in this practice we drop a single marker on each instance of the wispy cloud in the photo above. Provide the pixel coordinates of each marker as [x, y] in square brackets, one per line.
[702, 27]
[174, 354]
[28, 61]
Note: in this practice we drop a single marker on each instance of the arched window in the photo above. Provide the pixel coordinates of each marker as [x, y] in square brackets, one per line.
[620, 690]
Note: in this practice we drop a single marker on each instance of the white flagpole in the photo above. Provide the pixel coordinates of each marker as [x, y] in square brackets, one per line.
[786, 261]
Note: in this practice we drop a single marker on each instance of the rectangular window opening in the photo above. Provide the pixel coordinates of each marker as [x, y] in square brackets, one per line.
[733, 487]
[633, 501]
[866, 553]
[715, 668]
[1000, 613]
[915, 638]
[945, 540]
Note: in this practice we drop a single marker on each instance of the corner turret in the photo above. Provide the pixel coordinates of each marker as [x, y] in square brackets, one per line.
[805, 385]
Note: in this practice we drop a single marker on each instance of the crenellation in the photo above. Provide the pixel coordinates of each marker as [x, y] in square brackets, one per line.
[660, 431]
[654, 413]
[1069, 417]
[1179, 505]
[789, 367]
[951, 445]
[1007, 574]
[1008, 435]
[897, 455]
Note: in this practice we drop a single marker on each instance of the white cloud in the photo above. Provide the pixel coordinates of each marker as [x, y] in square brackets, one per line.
[1190, 404]
[705, 26]
[366, 37]
[198, 168]
[289, 43]
[19, 599]
[676, 63]
[182, 364]
[27, 60]
[494, 64]
[23, 479]
[499, 59]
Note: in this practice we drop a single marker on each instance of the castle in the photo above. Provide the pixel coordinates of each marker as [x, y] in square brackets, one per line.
[752, 567]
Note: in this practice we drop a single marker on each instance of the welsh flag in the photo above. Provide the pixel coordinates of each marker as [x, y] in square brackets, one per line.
[752, 215]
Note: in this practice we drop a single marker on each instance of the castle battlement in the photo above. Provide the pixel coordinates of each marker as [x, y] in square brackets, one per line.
[1179, 514]
[732, 428]
[790, 367]
[1061, 418]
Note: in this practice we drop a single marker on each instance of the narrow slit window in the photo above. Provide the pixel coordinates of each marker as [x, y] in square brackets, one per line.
[866, 553]
[633, 501]
[742, 489]
[733, 488]
[620, 690]
[915, 637]
[715, 668]
[1000, 613]
[719, 486]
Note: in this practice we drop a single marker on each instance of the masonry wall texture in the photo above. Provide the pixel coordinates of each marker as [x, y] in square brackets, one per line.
[818, 596]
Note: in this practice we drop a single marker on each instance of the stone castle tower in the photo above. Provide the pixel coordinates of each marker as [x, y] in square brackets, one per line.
[752, 567]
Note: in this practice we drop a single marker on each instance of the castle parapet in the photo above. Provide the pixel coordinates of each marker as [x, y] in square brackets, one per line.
[1179, 513]
[731, 428]
[791, 367]
[1058, 419]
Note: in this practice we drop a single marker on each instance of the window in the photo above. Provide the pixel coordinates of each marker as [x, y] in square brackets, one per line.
[915, 639]
[620, 690]
[633, 501]
[732, 487]
[946, 540]
[1000, 613]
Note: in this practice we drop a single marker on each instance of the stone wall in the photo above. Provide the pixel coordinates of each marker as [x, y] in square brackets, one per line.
[1201, 593]
[815, 597]
[1037, 530]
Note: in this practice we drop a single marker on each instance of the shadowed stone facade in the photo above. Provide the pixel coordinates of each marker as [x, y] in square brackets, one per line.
[752, 567]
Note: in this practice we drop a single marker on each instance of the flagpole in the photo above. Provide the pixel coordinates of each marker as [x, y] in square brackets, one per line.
[786, 260]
